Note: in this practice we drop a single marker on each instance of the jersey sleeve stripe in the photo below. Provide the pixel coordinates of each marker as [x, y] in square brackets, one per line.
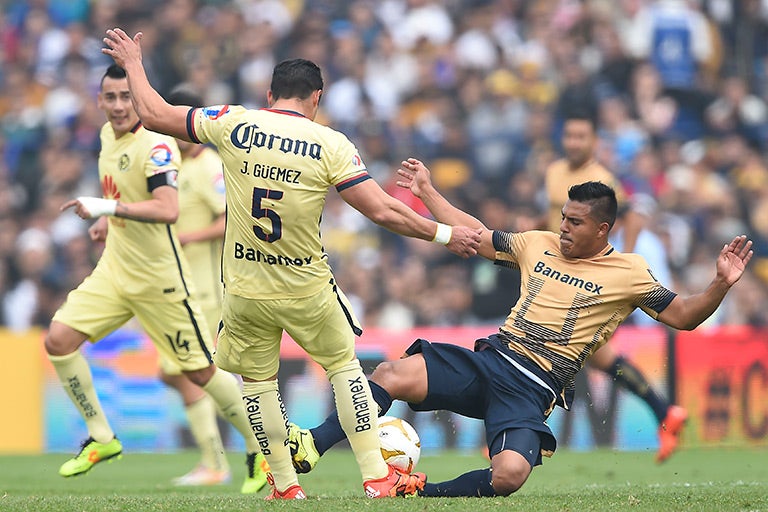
[351, 182]
[191, 126]
[502, 241]
[658, 299]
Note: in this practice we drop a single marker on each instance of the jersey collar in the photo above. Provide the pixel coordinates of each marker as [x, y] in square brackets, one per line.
[286, 112]
[608, 249]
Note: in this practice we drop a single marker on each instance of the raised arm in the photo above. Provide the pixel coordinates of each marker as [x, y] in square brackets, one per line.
[415, 176]
[155, 113]
[688, 312]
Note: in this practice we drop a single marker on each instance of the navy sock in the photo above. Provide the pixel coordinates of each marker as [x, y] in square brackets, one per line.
[473, 484]
[329, 432]
[630, 377]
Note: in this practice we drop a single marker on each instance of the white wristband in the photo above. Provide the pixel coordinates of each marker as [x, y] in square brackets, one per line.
[443, 233]
[97, 206]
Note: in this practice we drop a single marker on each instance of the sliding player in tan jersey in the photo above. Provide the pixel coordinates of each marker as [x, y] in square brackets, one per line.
[141, 273]
[200, 229]
[575, 290]
[278, 168]
[579, 164]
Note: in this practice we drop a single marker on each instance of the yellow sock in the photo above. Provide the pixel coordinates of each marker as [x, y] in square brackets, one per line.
[75, 376]
[358, 417]
[268, 420]
[201, 416]
[225, 391]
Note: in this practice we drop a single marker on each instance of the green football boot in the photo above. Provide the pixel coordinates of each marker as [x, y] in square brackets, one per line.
[256, 475]
[303, 451]
[91, 453]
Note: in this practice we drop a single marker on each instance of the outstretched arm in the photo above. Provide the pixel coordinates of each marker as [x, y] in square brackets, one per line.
[369, 199]
[415, 176]
[688, 312]
[155, 113]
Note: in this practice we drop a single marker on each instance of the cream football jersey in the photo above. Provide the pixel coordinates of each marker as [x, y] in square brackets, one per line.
[144, 258]
[201, 201]
[278, 168]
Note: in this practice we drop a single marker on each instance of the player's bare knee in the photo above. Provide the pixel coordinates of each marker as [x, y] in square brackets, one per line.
[169, 380]
[51, 345]
[404, 379]
[386, 376]
[509, 479]
[62, 340]
[202, 376]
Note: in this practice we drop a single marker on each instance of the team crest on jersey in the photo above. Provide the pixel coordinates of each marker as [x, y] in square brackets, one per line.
[215, 112]
[161, 155]
[123, 163]
[109, 188]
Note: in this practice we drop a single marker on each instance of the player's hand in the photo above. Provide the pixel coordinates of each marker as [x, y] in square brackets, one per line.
[733, 259]
[91, 207]
[80, 210]
[121, 47]
[98, 230]
[415, 176]
[464, 241]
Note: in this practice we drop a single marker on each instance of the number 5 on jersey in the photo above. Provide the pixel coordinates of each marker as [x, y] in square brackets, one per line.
[258, 212]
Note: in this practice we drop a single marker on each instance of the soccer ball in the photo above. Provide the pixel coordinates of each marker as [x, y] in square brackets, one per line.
[400, 444]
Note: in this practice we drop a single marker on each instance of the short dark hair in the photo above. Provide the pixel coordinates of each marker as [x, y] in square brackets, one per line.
[113, 71]
[296, 78]
[581, 114]
[600, 197]
[185, 95]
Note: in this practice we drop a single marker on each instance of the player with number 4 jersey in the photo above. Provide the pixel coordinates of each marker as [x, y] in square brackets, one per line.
[142, 273]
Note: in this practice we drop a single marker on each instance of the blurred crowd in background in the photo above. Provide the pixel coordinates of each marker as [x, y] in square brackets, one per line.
[477, 89]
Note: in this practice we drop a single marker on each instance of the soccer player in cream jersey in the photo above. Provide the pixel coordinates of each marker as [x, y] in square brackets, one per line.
[200, 229]
[278, 167]
[575, 290]
[142, 272]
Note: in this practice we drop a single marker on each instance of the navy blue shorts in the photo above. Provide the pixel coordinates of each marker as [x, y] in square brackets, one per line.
[486, 386]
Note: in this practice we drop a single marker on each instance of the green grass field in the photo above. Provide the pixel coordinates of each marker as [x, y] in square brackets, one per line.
[696, 480]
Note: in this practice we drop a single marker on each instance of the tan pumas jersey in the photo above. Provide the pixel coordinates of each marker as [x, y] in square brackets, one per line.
[568, 308]
[560, 177]
[278, 168]
[144, 258]
[201, 201]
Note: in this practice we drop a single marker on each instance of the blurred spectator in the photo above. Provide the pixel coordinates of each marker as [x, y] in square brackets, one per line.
[736, 111]
[417, 23]
[675, 38]
[32, 257]
[655, 110]
[744, 29]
